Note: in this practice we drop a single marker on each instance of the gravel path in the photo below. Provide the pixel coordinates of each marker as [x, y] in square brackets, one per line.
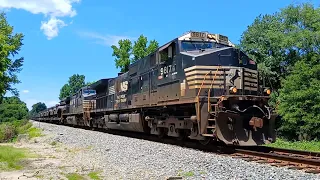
[117, 157]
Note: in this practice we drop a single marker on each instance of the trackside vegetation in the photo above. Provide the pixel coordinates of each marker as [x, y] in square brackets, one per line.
[285, 45]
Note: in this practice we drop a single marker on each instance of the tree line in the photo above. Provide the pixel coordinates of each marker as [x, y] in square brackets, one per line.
[285, 45]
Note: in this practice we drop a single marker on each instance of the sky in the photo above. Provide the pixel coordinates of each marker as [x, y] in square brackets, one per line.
[66, 37]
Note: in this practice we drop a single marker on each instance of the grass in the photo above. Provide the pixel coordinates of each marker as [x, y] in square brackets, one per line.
[94, 175]
[187, 174]
[297, 145]
[9, 131]
[10, 157]
[34, 132]
[74, 176]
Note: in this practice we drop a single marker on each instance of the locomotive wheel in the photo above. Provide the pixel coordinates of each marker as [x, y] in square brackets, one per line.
[182, 136]
[206, 141]
[162, 132]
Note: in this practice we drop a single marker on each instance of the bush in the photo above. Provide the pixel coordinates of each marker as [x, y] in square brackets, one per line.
[300, 103]
[7, 132]
[10, 130]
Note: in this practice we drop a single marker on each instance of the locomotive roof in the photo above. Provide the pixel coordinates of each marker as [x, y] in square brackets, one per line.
[100, 83]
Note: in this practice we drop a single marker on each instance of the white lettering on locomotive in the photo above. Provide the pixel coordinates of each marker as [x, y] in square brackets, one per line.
[167, 69]
[123, 86]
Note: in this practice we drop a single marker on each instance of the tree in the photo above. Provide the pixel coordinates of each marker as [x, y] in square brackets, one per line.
[122, 54]
[64, 91]
[75, 83]
[38, 107]
[12, 108]
[276, 42]
[139, 50]
[286, 46]
[9, 65]
[300, 102]
[89, 83]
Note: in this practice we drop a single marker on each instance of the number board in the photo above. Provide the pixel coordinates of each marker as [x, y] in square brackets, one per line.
[198, 35]
[223, 38]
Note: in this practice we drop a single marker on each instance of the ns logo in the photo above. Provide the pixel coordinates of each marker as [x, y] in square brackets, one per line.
[123, 86]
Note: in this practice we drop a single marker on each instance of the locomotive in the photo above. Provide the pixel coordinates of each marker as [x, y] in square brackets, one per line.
[197, 86]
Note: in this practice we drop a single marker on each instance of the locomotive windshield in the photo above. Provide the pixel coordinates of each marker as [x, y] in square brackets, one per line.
[88, 92]
[197, 45]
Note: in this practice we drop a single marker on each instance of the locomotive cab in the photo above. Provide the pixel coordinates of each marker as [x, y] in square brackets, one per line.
[223, 84]
[231, 105]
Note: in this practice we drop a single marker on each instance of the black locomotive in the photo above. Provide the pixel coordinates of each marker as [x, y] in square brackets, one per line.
[197, 86]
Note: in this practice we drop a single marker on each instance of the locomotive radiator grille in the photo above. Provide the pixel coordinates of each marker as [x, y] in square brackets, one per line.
[231, 76]
[250, 79]
[89, 104]
[196, 75]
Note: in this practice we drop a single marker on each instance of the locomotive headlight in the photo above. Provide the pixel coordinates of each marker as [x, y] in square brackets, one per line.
[267, 91]
[233, 90]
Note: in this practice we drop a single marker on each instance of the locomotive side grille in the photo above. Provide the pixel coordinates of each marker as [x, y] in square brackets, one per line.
[195, 76]
[242, 78]
[89, 104]
[250, 79]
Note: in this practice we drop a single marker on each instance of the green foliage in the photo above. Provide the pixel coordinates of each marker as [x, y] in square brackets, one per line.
[300, 102]
[10, 130]
[139, 50]
[89, 83]
[75, 83]
[286, 47]
[36, 108]
[74, 176]
[10, 157]
[12, 108]
[122, 54]
[297, 145]
[94, 175]
[9, 65]
[276, 42]
[65, 91]
[34, 132]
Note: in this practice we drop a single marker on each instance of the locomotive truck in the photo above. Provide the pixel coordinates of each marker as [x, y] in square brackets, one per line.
[197, 86]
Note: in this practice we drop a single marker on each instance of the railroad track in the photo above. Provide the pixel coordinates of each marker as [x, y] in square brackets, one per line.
[293, 159]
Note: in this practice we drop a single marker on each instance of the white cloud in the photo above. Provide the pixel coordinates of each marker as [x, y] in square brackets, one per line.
[25, 91]
[51, 28]
[107, 40]
[51, 8]
[31, 102]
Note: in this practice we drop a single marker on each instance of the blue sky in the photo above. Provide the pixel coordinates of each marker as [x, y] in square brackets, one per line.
[65, 37]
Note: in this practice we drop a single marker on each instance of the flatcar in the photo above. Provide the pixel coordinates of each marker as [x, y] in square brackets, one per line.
[197, 86]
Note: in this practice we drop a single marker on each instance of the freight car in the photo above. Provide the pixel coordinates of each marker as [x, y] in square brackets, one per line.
[197, 86]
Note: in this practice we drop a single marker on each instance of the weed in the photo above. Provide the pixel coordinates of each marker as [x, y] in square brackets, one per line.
[297, 145]
[34, 132]
[189, 174]
[10, 157]
[74, 176]
[53, 143]
[94, 175]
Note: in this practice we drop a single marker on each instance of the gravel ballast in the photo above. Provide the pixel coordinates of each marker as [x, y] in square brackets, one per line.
[118, 157]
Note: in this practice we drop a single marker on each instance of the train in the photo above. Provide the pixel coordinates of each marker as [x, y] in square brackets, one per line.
[198, 86]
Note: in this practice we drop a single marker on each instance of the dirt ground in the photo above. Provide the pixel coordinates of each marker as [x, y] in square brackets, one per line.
[50, 160]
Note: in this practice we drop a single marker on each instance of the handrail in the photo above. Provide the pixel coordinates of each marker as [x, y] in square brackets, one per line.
[202, 83]
[198, 104]
[209, 92]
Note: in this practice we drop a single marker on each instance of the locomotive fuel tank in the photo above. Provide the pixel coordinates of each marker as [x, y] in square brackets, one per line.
[128, 122]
